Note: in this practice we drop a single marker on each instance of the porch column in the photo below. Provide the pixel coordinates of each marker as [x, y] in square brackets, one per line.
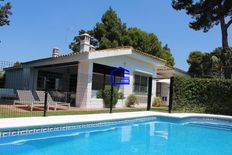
[154, 84]
[84, 83]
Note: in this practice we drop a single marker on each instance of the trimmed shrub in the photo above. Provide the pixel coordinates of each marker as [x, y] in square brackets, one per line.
[99, 94]
[156, 102]
[202, 95]
[106, 95]
[132, 99]
[121, 96]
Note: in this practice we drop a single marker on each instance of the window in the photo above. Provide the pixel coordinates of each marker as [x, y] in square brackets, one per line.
[140, 84]
[55, 80]
[98, 81]
[101, 76]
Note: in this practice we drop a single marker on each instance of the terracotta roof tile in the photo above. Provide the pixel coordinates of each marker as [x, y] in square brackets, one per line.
[117, 48]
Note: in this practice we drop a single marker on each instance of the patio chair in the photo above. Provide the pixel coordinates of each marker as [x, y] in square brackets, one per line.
[58, 96]
[26, 97]
[50, 100]
[73, 98]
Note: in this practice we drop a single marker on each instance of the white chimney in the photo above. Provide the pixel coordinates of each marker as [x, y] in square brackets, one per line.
[55, 52]
[85, 43]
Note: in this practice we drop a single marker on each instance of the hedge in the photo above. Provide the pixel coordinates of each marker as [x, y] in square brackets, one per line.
[212, 96]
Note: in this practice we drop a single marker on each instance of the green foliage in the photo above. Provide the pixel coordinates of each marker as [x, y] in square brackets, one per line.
[149, 43]
[202, 95]
[195, 62]
[106, 95]
[5, 11]
[215, 64]
[156, 102]
[2, 75]
[17, 63]
[111, 32]
[226, 61]
[75, 45]
[166, 55]
[121, 96]
[132, 99]
[206, 14]
[141, 40]
[2, 79]
[99, 93]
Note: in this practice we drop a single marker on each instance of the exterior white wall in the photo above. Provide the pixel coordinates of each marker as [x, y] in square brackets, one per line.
[165, 92]
[130, 64]
[84, 83]
[126, 58]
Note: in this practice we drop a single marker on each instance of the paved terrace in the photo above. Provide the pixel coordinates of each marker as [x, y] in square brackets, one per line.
[52, 120]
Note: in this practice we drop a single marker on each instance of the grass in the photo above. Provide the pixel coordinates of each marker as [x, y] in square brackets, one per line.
[10, 113]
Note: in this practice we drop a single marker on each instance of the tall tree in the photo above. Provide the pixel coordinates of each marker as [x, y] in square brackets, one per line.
[207, 13]
[75, 45]
[167, 55]
[149, 43]
[216, 64]
[112, 32]
[5, 11]
[141, 40]
[195, 61]
[226, 60]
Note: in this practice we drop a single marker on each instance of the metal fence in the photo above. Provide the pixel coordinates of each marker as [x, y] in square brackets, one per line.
[5, 64]
[62, 90]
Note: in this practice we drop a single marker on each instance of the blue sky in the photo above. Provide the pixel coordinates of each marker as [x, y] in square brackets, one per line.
[38, 26]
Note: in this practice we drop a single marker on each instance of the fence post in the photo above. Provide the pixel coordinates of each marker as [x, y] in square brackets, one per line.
[171, 94]
[46, 97]
[111, 98]
[149, 94]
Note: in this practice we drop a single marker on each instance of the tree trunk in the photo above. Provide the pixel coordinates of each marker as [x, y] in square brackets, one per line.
[225, 46]
[224, 33]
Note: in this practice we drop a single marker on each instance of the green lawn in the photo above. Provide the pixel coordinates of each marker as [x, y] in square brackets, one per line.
[8, 113]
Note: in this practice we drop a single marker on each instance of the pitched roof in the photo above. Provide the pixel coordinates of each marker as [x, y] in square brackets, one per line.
[169, 68]
[105, 50]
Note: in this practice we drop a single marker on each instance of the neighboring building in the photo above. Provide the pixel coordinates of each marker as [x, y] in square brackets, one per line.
[87, 71]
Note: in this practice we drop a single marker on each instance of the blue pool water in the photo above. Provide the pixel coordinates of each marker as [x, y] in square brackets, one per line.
[157, 137]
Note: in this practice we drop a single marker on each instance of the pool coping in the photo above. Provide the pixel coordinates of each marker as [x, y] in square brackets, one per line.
[25, 122]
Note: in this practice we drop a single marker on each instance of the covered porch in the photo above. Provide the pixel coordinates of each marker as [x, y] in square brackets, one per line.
[163, 85]
[61, 80]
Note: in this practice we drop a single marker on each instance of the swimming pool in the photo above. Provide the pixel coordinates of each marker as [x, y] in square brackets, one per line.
[148, 135]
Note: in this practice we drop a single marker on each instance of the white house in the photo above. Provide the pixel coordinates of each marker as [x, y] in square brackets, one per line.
[88, 71]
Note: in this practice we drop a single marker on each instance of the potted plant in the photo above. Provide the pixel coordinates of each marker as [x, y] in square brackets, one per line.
[132, 99]
[156, 102]
[106, 96]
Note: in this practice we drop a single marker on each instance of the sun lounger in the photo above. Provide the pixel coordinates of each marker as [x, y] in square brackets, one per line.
[26, 97]
[41, 95]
